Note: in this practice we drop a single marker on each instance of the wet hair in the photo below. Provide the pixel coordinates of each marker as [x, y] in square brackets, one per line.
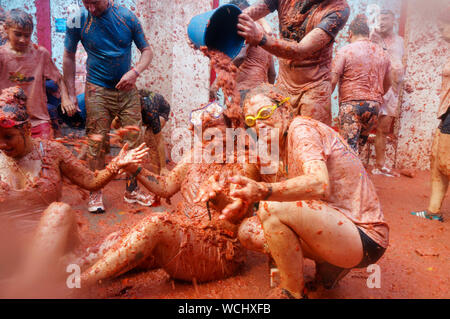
[13, 112]
[274, 93]
[387, 12]
[242, 4]
[359, 26]
[18, 17]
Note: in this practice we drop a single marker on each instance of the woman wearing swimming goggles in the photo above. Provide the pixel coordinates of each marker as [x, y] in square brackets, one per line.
[263, 113]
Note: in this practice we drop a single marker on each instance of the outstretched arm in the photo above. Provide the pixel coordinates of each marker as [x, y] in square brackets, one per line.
[80, 175]
[313, 184]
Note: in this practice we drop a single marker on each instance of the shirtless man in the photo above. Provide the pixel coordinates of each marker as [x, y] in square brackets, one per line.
[307, 30]
[393, 45]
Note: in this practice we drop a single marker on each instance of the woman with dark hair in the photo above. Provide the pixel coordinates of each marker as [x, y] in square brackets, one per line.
[31, 173]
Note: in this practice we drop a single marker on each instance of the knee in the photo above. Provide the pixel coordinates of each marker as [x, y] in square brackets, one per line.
[267, 215]
[59, 214]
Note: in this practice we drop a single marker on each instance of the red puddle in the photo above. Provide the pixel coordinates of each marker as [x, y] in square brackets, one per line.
[416, 264]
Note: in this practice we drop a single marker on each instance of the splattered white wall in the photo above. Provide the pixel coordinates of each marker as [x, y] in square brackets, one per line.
[427, 54]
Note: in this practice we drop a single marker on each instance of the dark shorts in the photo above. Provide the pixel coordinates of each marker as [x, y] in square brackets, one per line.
[371, 250]
[445, 123]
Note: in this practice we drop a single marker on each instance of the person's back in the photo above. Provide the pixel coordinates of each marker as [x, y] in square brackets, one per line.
[363, 72]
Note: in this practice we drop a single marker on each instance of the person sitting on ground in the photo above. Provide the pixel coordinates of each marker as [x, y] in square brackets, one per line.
[196, 242]
[327, 210]
[31, 179]
[440, 151]
[27, 65]
[362, 70]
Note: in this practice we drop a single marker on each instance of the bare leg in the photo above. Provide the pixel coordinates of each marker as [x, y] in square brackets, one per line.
[55, 236]
[384, 125]
[328, 233]
[439, 181]
[134, 248]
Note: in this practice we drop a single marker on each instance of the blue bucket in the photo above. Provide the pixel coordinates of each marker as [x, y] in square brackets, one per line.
[217, 29]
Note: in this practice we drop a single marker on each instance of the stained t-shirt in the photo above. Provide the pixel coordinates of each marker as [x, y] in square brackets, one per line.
[298, 18]
[29, 71]
[351, 190]
[107, 40]
[153, 106]
[362, 67]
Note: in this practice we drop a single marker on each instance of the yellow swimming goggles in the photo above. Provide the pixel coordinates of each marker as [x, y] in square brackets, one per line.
[263, 113]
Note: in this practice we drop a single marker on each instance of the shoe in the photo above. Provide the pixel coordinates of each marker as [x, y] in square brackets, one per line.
[137, 196]
[427, 215]
[95, 205]
[384, 171]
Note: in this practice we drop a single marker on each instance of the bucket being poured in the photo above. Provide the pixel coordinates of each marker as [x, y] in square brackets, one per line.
[217, 29]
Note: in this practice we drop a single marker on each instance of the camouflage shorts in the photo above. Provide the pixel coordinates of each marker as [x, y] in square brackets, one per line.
[356, 120]
[102, 106]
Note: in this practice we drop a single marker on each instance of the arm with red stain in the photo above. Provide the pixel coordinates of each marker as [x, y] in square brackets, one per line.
[313, 184]
[313, 42]
[80, 175]
[163, 186]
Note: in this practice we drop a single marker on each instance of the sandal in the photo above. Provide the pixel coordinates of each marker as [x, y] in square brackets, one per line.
[427, 215]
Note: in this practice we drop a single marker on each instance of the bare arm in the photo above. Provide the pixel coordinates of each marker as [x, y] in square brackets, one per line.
[128, 80]
[161, 150]
[334, 80]
[80, 175]
[69, 74]
[258, 10]
[164, 186]
[314, 41]
[313, 184]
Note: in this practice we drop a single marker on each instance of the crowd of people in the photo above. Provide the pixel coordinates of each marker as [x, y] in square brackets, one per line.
[320, 203]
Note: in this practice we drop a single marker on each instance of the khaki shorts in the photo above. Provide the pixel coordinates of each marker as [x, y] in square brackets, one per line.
[314, 102]
[102, 106]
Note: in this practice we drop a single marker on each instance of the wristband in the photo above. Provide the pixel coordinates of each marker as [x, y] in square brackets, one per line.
[136, 71]
[138, 171]
[263, 40]
[269, 192]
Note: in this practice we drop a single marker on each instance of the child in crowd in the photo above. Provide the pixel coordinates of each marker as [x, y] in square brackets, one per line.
[28, 65]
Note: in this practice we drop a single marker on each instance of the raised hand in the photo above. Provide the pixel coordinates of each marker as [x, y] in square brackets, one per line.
[130, 157]
[248, 29]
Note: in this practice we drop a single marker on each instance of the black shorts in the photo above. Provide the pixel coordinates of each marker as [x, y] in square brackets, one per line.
[445, 123]
[371, 250]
